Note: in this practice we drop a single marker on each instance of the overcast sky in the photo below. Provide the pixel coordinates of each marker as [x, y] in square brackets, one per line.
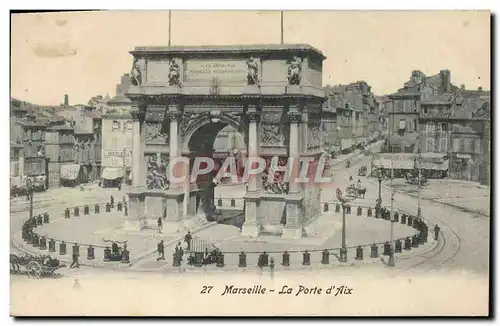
[84, 54]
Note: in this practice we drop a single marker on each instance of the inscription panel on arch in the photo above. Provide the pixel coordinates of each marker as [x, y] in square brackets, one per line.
[198, 70]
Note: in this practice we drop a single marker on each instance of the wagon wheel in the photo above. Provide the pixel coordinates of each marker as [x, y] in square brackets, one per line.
[34, 269]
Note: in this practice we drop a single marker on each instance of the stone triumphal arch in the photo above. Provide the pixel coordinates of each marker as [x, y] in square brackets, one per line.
[183, 96]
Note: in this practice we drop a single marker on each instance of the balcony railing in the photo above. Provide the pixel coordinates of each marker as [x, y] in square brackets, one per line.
[435, 115]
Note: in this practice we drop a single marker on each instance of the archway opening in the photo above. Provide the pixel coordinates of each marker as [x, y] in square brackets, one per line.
[220, 141]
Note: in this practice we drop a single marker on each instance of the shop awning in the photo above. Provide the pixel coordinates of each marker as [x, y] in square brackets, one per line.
[70, 171]
[112, 173]
[401, 161]
[434, 161]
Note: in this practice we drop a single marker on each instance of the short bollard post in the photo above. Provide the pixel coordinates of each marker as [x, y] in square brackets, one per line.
[360, 211]
[414, 241]
[387, 249]
[396, 217]
[398, 246]
[33, 222]
[325, 257]
[265, 259]
[108, 207]
[286, 259]
[66, 213]
[86, 210]
[326, 208]
[107, 254]
[359, 253]
[410, 221]
[374, 251]
[233, 202]
[403, 219]
[337, 208]
[408, 243]
[387, 215]
[43, 243]
[125, 254]
[219, 202]
[242, 262]
[52, 245]
[62, 248]
[126, 210]
[343, 255]
[90, 253]
[220, 260]
[370, 212]
[348, 209]
[119, 207]
[306, 258]
[76, 211]
[46, 218]
[420, 237]
[96, 209]
[426, 233]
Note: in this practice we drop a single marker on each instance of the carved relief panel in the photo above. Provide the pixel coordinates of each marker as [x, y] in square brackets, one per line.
[273, 129]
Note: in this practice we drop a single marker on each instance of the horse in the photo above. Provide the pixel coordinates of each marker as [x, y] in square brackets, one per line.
[15, 261]
[361, 192]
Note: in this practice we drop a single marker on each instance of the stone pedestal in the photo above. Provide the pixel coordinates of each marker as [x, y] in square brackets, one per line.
[136, 218]
[251, 226]
[173, 221]
[294, 216]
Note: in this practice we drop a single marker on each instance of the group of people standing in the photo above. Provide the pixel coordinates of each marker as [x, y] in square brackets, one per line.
[178, 250]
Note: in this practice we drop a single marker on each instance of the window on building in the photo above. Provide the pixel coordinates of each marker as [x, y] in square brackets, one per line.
[346, 105]
[456, 145]
[443, 145]
[129, 125]
[429, 147]
[357, 116]
[462, 145]
[426, 110]
[468, 145]
[116, 126]
[415, 125]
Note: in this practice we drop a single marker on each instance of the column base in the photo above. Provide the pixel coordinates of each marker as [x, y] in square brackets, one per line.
[292, 232]
[250, 230]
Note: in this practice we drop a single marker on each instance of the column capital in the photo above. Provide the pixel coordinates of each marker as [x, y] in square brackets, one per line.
[294, 117]
[253, 116]
[174, 115]
[138, 114]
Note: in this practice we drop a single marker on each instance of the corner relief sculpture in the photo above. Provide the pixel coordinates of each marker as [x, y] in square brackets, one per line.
[174, 74]
[294, 71]
[136, 73]
[157, 173]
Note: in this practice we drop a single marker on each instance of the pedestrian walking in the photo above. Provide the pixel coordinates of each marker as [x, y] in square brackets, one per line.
[161, 251]
[436, 232]
[74, 263]
[271, 266]
[188, 239]
[160, 223]
[112, 201]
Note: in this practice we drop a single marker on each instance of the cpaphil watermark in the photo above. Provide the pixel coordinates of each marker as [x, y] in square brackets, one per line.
[275, 169]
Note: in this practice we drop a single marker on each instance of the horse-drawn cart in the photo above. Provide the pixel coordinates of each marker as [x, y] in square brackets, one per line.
[35, 267]
[362, 171]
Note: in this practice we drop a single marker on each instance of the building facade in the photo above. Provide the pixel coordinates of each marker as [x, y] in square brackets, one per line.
[116, 157]
[59, 148]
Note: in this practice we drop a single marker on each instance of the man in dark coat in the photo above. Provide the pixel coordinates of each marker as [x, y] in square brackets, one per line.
[161, 251]
[436, 232]
[188, 239]
[160, 223]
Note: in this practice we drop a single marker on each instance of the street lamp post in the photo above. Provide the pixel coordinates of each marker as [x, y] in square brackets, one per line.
[30, 191]
[379, 201]
[343, 250]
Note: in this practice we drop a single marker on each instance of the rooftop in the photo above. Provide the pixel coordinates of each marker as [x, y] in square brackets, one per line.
[255, 48]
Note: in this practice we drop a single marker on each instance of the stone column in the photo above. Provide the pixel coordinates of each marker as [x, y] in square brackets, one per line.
[252, 201]
[175, 194]
[136, 220]
[293, 228]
